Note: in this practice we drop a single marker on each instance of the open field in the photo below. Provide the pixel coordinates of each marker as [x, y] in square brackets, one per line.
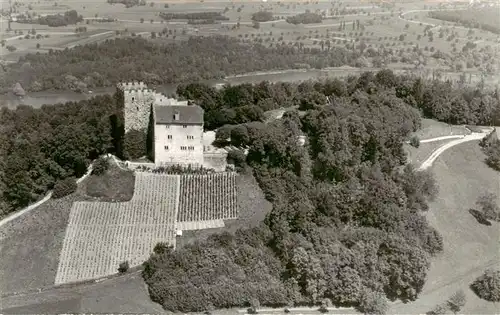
[101, 235]
[432, 129]
[469, 247]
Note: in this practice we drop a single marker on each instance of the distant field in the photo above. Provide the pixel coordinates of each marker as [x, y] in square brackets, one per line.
[101, 235]
[483, 18]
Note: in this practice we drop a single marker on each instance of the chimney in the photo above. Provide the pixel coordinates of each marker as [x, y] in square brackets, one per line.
[176, 116]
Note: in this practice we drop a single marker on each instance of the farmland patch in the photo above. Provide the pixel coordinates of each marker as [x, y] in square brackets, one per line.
[101, 235]
[208, 197]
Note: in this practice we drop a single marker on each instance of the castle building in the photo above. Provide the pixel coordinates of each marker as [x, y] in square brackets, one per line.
[176, 127]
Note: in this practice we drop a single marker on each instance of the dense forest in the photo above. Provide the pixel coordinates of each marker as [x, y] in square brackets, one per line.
[54, 20]
[347, 224]
[199, 58]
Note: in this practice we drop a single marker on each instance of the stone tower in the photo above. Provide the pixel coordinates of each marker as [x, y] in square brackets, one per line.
[138, 100]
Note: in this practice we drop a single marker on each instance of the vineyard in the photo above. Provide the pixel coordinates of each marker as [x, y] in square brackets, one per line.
[208, 197]
[101, 235]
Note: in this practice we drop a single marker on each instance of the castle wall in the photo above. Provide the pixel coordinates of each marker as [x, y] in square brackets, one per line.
[137, 108]
[175, 149]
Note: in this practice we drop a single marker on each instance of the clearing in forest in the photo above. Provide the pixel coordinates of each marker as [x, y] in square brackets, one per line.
[101, 235]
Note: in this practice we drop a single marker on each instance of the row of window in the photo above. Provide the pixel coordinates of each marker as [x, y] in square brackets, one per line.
[188, 137]
[183, 148]
[168, 126]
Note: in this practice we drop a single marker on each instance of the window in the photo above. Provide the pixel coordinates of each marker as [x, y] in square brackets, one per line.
[191, 148]
[169, 137]
[167, 126]
[166, 147]
[133, 99]
[190, 137]
[183, 148]
[184, 126]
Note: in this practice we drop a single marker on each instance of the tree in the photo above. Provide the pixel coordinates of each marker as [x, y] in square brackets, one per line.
[457, 301]
[373, 303]
[487, 286]
[64, 187]
[100, 166]
[123, 267]
[415, 142]
[488, 204]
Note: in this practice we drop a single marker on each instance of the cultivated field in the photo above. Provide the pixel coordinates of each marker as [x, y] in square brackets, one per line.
[469, 247]
[101, 235]
[208, 197]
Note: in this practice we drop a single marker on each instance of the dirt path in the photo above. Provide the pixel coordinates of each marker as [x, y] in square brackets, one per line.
[428, 163]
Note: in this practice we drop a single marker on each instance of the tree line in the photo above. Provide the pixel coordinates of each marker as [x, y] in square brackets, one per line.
[216, 16]
[305, 18]
[54, 20]
[128, 59]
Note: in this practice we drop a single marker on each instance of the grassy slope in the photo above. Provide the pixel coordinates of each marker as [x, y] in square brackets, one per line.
[420, 154]
[126, 294]
[469, 247]
[30, 245]
[432, 129]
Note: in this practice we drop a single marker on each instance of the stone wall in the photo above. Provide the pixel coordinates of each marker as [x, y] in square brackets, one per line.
[215, 158]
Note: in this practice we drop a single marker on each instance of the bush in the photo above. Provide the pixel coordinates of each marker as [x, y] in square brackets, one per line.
[440, 309]
[64, 187]
[252, 310]
[415, 142]
[373, 303]
[487, 286]
[124, 266]
[456, 301]
[101, 165]
[488, 206]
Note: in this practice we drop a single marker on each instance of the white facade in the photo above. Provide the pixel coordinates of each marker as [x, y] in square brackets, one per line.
[178, 144]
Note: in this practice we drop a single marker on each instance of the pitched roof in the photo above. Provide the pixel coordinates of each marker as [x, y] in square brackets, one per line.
[188, 114]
